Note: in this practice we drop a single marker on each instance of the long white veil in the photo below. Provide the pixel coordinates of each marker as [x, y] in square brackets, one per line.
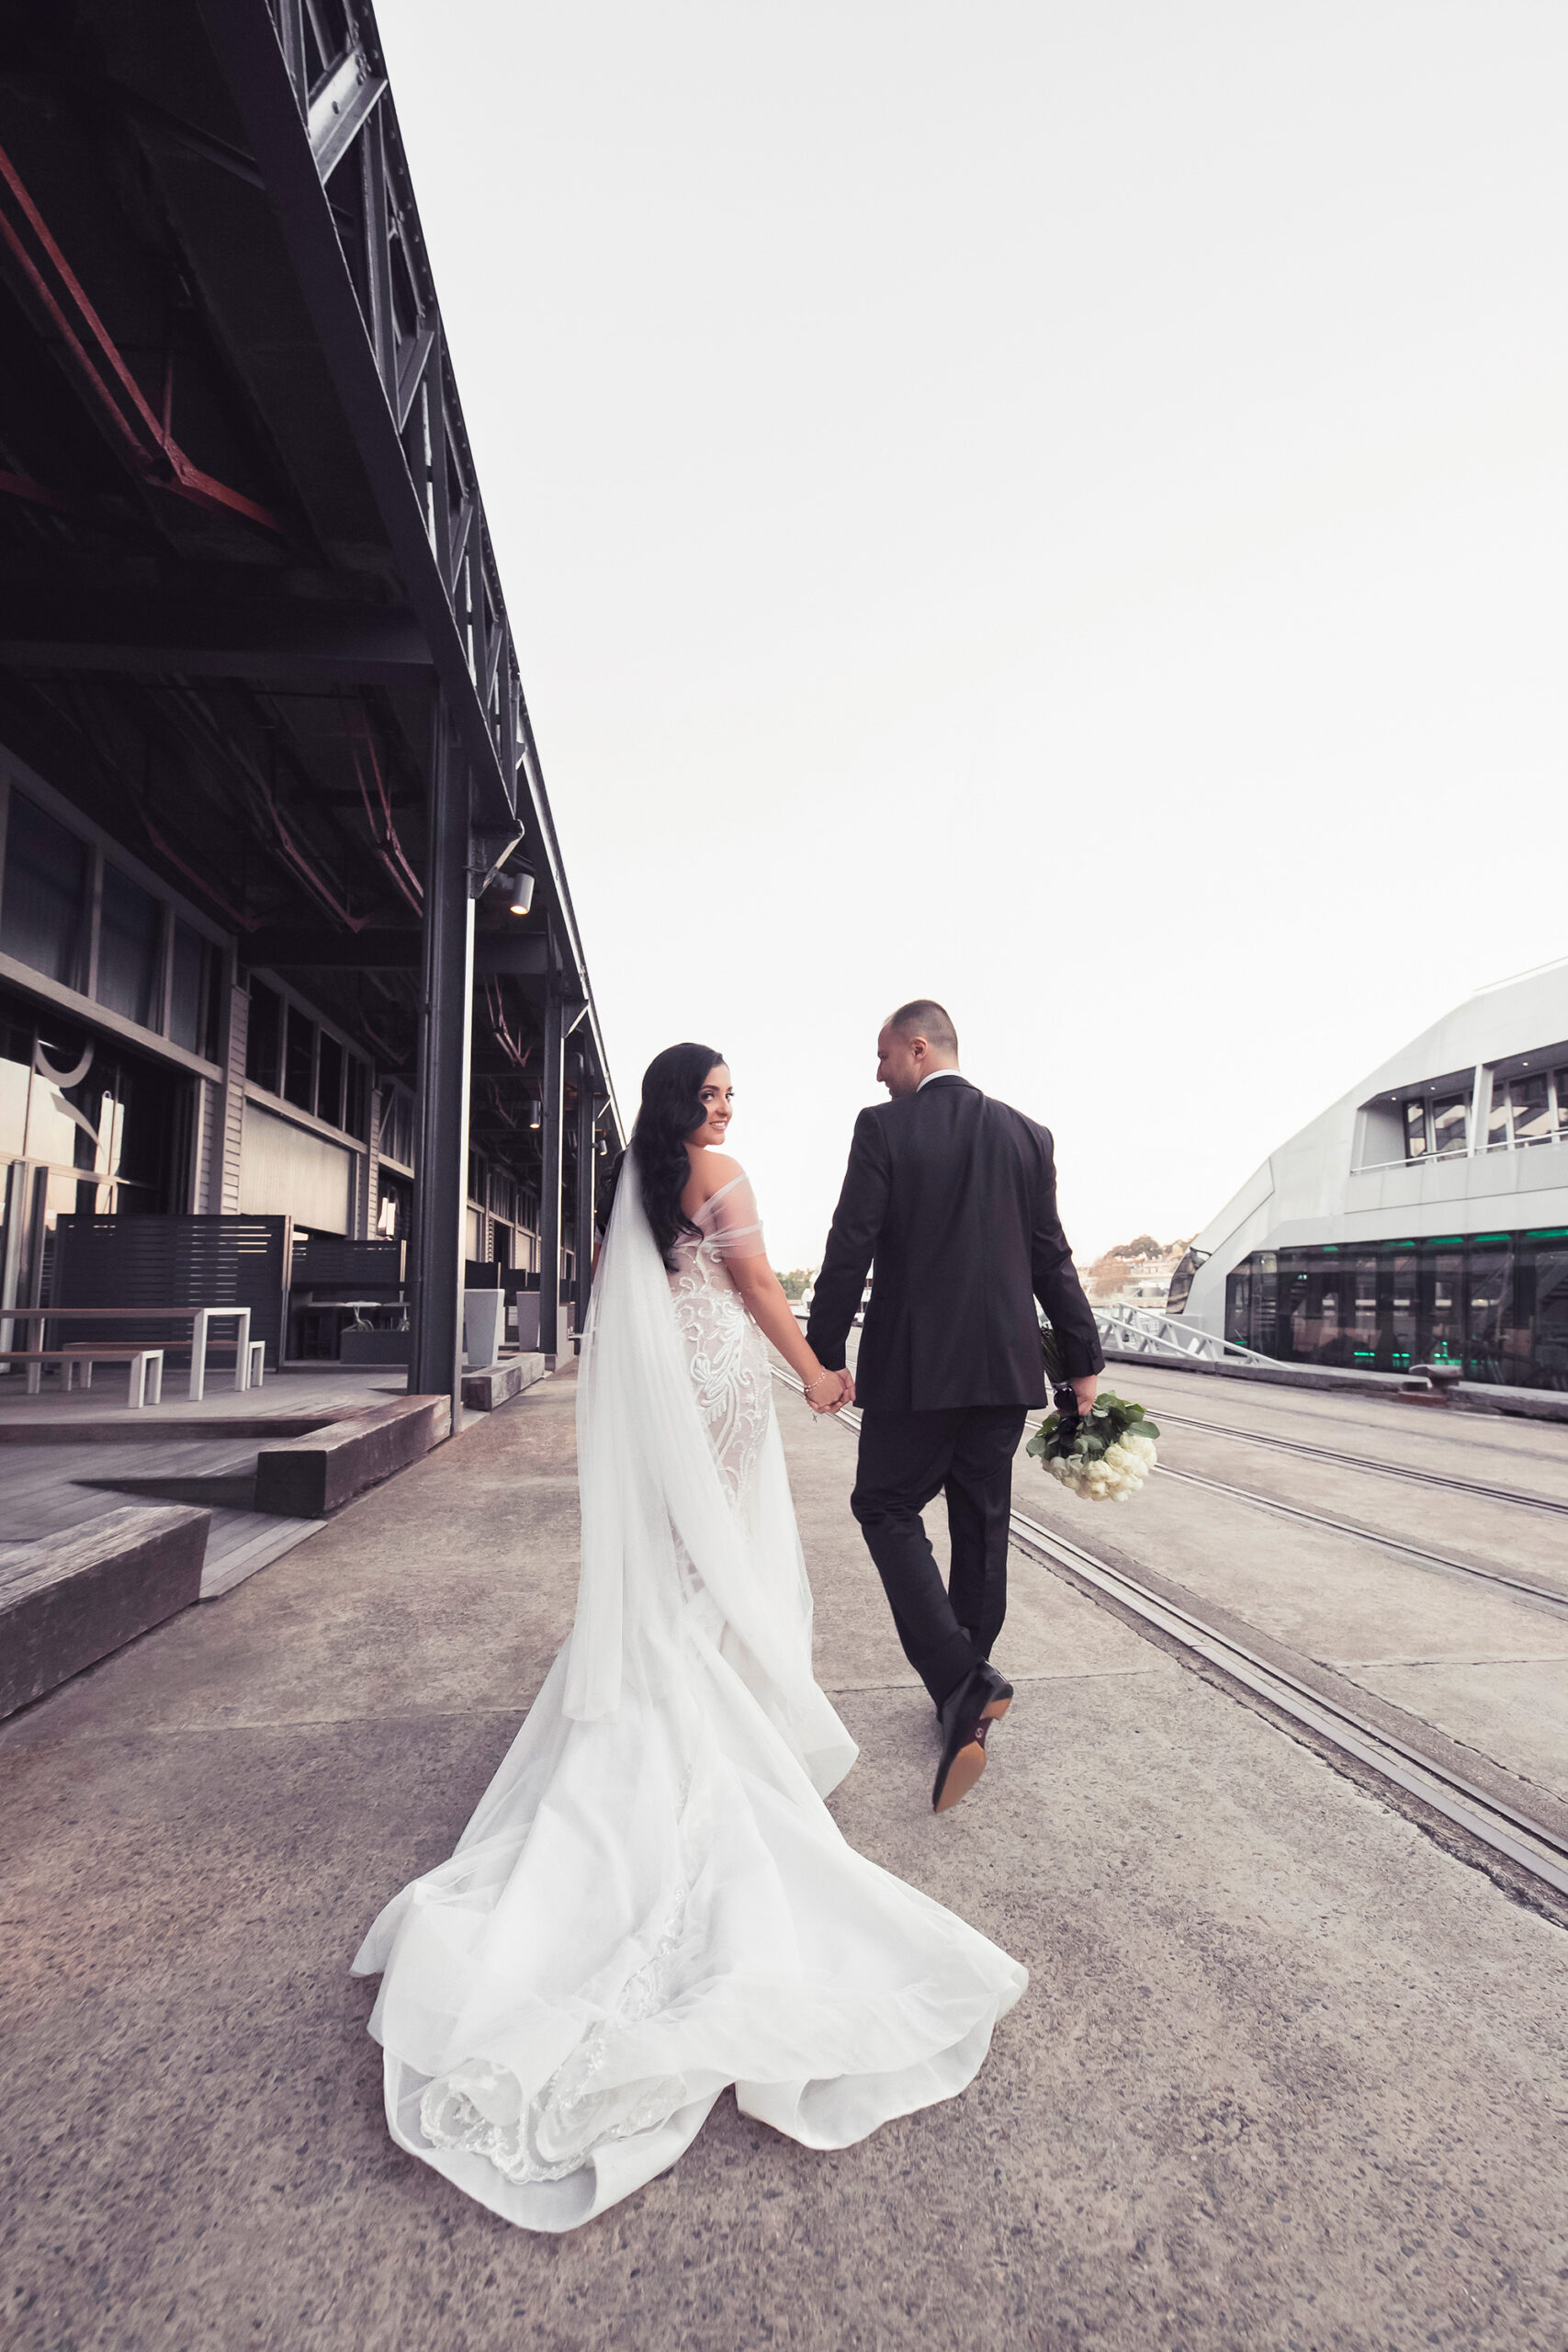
[649, 1900]
[657, 1520]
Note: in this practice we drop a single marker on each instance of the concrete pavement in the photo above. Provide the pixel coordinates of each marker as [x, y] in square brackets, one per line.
[1487, 1666]
[1287, 2074]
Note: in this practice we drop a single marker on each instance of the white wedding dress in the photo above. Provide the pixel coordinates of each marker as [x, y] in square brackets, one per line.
[652, 1901]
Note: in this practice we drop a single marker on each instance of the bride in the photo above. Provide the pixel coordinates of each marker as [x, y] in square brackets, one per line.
[652, 1902]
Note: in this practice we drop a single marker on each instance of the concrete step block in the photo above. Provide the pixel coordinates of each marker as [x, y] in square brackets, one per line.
[70, 1598]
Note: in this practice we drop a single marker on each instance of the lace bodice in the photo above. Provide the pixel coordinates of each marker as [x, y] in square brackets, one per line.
[726, 1352]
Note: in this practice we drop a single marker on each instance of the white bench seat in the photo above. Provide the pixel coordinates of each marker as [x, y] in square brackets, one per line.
[146, 1366]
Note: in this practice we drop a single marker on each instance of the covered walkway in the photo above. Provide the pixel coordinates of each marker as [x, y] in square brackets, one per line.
[1287, 2075]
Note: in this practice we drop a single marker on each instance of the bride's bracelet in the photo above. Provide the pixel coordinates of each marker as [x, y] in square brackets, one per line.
[821, 1376]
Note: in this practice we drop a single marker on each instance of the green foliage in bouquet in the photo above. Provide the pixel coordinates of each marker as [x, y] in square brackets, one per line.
[1107, 1454]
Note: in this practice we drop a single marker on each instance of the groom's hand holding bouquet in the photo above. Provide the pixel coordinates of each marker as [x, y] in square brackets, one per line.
[1101, 1449]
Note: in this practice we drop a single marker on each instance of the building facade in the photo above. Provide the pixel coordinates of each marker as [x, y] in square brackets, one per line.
[144, 1069]
[285, 930]
[1423, 1218]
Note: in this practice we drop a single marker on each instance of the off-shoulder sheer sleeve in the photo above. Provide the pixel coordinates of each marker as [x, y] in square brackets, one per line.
[730, 1224]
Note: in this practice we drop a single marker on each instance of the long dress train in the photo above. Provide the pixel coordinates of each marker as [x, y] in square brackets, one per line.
[651, 1900]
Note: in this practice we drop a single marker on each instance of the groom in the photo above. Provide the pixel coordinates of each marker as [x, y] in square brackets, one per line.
[954, 1198]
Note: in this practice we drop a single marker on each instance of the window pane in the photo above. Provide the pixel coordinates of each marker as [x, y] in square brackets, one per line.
[329, 1081]
[46, 888]
[397, 1127]
[1404, 1311]
[1333, 1286]
[1416, 1130]
[1489, 1290]
[263, 1036]
[1551, 1317]
[1301, 1307]
[130, 935]
[299, 1060]
[1559, 1079]
[1450, 1123]
[354, 1103]
[1443, 1317]
[189, 990]
[1532, 1110]
[1238, 1304]
[1497, 1117]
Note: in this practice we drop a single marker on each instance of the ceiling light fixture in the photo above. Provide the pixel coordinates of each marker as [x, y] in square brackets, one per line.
[521, 893]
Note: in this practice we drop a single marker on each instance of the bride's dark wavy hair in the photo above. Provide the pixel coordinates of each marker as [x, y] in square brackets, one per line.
[671, 1110]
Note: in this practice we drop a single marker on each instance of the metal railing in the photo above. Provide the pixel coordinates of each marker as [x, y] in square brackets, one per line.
[1143, 1332]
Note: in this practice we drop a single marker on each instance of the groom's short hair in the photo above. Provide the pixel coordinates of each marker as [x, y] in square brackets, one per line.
[923, 1017]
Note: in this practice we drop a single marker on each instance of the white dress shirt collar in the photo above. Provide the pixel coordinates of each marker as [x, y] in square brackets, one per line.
[932, 1076]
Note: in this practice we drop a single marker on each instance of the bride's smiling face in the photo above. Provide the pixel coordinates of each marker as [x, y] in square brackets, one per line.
[717, 1098]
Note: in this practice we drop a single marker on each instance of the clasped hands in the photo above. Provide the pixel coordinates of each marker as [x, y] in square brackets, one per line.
[829, 1392]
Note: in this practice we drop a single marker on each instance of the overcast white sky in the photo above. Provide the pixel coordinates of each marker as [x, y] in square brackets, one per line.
[1060, 508]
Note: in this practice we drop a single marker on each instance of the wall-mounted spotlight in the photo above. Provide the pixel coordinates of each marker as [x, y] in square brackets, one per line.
[521, 893]
[534, 1114]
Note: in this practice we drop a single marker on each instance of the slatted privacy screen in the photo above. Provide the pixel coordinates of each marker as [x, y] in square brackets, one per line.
[323, 1263]
[147, 1261]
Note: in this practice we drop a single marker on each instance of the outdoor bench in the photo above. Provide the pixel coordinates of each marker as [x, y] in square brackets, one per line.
[146, 1366]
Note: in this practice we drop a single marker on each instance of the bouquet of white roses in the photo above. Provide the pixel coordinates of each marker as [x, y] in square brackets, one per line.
[1102, 1455]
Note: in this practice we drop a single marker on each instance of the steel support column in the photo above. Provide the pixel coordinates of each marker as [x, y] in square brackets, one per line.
[583, 1238]
[13, 1253]
[445, 1018]
[551, 1137]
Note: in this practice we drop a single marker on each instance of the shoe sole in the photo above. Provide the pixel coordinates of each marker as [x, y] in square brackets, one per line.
[962, 1774]
[970, 1762]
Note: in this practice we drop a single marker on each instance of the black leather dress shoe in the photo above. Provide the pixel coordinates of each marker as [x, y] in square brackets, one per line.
[967, 1714]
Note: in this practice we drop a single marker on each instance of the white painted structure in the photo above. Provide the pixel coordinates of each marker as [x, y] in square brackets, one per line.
[1463, 1131]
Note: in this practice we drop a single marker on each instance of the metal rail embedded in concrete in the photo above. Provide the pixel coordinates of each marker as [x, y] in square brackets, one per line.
[1365, 1462]
[1507, 1830]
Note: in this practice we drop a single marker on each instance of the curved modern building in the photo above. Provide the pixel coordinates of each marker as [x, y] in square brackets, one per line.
[1421, 1218]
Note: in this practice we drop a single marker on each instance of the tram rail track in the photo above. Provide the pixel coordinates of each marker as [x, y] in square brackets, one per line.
[1498, 1825]
[1555, 1596]
[1409, 1472]
[1503, 1828]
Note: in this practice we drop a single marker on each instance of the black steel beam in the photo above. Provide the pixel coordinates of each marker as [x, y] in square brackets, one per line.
[583, 1239]
[441, 1189]
[384, 370]
[395, 383]
[292, 948]
[248, 47]
[525, 956]
[145, 632]
[553, 1107]
[280, 950]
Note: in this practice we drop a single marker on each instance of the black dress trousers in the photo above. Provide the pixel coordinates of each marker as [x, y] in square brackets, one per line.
[904, 1460]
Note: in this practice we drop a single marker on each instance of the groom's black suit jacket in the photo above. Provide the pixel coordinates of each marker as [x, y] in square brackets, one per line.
[954, 1198]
